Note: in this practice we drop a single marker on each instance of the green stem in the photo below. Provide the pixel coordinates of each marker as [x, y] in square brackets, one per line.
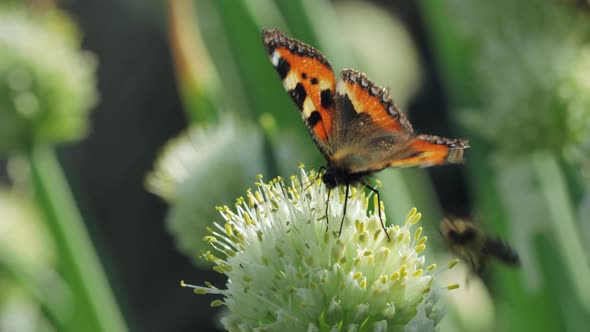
[93, 307]
[396, 196]
[563, 224]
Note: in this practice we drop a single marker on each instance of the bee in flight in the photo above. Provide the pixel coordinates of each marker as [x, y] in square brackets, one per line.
[474, 246]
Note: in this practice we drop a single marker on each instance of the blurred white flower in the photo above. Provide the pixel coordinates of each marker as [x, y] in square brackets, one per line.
[204, 166]
[31, 289]
[47, 84]
[532, 63]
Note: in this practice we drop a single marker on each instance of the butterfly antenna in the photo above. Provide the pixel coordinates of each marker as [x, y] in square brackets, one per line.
[379, 209]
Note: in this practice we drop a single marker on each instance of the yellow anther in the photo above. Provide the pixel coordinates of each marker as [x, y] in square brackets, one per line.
[258, 196]
[228, 229]
[453, 262]
[400, 237]
[209, 239]
[216, 303]
[418, 233]
[363, 283]
[422, 240]
[416, 218]
[420, 248]
[247, 219]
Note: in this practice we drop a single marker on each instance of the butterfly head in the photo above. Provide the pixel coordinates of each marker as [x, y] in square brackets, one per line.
[331, 180]
[335, 176]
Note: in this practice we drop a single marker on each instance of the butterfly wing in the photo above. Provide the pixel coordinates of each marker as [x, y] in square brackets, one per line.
[430, 150]
[371, 133]
[309, 79]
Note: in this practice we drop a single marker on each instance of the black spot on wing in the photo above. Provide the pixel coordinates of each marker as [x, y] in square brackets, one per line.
[304, 76]
[374, 90]
[314, 80]
[326, 98]
[346, 111]
[283, 68]
[298, 95]
[314, 118]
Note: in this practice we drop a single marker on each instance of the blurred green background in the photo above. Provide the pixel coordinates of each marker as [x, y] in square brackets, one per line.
[124, 123]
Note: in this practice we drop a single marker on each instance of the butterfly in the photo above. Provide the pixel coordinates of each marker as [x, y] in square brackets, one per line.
[354, 122]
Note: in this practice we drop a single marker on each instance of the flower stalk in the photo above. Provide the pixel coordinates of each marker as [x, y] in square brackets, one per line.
[94, 306]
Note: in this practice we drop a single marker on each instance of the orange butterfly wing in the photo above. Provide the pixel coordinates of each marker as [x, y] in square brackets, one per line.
[431, 150]
[309, 79]
[371, 133]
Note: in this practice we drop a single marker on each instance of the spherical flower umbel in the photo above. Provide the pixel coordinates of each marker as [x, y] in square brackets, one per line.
[47, 84]
[287, 271]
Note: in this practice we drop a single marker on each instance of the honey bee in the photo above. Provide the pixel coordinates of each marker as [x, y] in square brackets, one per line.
[475, 247]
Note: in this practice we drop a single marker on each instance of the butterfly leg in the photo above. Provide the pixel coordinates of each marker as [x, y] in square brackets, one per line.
[327, 207]
[344, 212]
[378, 209]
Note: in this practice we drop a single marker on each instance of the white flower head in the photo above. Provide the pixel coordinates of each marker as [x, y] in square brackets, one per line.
[286, 272]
